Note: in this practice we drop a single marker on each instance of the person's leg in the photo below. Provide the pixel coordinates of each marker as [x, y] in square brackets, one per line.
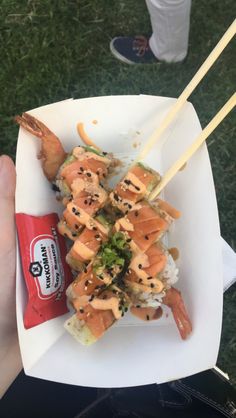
[170, 24]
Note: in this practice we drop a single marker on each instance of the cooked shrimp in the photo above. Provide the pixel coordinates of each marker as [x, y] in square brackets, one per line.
[174, 300]
[52, 152]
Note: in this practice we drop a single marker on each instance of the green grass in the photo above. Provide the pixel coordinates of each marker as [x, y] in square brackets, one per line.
[55, 49]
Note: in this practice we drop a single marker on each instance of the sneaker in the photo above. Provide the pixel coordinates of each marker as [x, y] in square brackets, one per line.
[132, 50]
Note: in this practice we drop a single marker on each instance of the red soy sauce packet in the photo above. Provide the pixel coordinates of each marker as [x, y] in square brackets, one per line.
[46, 273]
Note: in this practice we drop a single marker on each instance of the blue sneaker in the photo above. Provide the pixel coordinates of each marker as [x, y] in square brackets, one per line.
[132, 50]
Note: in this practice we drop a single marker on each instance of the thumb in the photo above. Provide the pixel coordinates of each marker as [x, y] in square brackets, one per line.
[7, 204]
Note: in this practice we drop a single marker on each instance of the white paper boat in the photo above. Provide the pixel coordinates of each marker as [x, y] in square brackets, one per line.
[131, 353]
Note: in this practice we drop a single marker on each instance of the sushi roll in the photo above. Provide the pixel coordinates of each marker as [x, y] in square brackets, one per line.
[144, 224]
[149, 275]
[88, 243]
[134, 187]
[94, 318]
[86, 203]
[86, 164]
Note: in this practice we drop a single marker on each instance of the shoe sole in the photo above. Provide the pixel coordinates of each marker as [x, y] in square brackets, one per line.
[118, 55]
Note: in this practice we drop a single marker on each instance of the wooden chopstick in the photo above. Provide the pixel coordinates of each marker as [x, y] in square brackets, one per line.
[229, 105]
[188, 91]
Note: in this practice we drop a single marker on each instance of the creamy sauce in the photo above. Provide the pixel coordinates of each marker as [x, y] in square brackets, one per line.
[107, 304]
[82, 250]
[80, 185]
[135, 182]
[77, 186]
[93, 223]
[140, 261]
[80, 301]
[83, 218]
[64, 230]
[138, 287]
[125, 223]
[137, 206]
[85, 138]
[81, 154]
[121, 204]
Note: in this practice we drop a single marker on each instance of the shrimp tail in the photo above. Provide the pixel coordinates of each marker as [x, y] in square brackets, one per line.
[52, 152]
[174, 301]
[32, 125]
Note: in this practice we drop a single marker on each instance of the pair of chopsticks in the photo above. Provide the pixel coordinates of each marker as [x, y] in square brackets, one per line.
[171, 114]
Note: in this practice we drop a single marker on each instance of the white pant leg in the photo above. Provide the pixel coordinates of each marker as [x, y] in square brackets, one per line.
[170, 24]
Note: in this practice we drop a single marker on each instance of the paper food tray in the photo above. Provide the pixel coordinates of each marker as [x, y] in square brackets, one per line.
[132, 352]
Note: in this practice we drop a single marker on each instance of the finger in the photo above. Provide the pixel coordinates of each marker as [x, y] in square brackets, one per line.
[7, 240]
[7, 204]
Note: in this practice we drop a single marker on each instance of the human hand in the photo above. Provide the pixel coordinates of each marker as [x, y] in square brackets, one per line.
[10, 360]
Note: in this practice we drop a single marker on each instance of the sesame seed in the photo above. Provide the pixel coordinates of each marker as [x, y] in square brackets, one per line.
[96, 195]
[138, 306]
[76, 226]
[89, 174]
[129, 206]
[129, 271]
[81, 168]
[88, 314]
[90, 281]
[120, 307]
[85, 270]
[97, 172]
[149, 278]
[146, 237]
[116, 197]
[137, 188]
[81, 310]
[86, 283]
[145, 175]
[136, 213]
[85, 202]
[74, 210]
[127, 182]
[86, 288]
[94, 228]
[97, 236]
[92, 297]
[140, 280]
[129, 240]
[140, 266]
[152, 285]
[74, 234]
